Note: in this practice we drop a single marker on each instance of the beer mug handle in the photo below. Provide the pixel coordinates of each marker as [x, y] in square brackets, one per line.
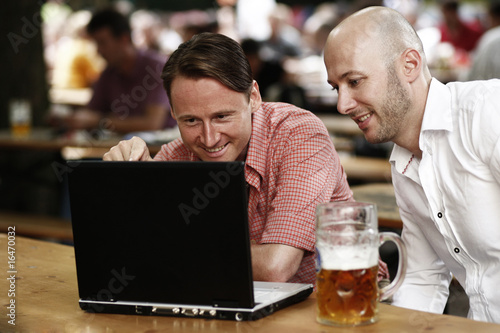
[389, 290]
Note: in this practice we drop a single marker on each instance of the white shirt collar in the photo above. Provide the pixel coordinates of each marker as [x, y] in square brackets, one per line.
[437, 116]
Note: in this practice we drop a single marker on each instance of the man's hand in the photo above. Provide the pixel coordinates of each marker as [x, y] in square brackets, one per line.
[134, 149]
[82, 119]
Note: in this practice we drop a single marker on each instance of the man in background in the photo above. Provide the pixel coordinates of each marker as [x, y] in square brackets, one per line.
[462, 35]
[486, 58]
[128, 96]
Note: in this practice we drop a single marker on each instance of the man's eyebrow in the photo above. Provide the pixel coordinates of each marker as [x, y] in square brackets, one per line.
[186, 116]
[220, 112]
[343, 76]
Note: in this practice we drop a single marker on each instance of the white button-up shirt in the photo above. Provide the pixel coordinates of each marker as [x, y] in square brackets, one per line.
[450, 200]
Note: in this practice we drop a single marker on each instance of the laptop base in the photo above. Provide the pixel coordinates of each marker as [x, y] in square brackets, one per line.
[205, 312]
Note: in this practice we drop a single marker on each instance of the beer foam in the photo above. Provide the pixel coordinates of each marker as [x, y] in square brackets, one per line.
[347, 257]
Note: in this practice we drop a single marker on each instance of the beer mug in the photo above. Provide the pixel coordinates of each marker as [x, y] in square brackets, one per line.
[20, 118]
[347, 253]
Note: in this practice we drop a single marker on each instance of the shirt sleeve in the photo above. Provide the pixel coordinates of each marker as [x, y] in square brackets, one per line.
[308, 173]
[486, 133]
[426, 285]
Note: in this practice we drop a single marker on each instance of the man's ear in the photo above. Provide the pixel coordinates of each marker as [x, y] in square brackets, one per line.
[412, 64]
[255, 97]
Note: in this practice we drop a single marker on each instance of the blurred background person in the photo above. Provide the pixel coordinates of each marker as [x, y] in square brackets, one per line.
[146, 27]
[275, 82]
[128, 96]
[285, 40]
[192, 22]
[252, 18]
[460, 33]
[77, 64]
[265, 72]
[408, 8]
[486, 58]
[317, 27]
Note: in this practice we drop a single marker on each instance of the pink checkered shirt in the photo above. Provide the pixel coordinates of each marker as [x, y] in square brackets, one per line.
[291, 166]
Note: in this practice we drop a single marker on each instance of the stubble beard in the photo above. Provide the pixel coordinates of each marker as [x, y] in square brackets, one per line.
[396, 106]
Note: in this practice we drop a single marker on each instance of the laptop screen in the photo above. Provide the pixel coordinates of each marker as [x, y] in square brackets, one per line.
[161, 232]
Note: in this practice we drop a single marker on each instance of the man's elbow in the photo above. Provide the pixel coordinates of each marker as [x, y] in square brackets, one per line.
[278, 271]
[276, 275]
[275, 262]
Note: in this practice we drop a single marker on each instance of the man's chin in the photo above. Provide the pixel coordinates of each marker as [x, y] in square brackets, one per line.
[374, 139]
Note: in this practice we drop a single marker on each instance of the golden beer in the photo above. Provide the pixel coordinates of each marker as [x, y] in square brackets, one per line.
[21, 130]
[20, 118]
[347, 254]
[347, 297]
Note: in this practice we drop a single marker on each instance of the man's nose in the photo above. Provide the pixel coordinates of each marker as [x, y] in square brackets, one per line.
[345, 102]
[210, 135]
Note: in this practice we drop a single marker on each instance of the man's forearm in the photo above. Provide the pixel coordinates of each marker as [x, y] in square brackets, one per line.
[275, 262]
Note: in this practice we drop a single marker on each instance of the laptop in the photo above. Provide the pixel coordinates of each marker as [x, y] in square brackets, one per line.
[168, 238]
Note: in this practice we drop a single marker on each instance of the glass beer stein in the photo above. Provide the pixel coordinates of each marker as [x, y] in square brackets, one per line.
[347, 253]
[20, 118]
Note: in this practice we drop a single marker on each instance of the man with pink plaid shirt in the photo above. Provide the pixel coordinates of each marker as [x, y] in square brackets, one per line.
[290, 162]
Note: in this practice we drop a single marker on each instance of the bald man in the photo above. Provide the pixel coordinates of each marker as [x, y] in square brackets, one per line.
[445, 161]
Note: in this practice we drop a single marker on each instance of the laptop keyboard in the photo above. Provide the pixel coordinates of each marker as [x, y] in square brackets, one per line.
[268, 295]
[259, 294]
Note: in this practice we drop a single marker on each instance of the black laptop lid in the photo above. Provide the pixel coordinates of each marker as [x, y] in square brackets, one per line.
[161, 232]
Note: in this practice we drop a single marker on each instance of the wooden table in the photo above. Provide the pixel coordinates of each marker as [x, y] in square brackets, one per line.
[43, 139]
[38, 226]
[381, 194]
[47, 301]
[78, 97]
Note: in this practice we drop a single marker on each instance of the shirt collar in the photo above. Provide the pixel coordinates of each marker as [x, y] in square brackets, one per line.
[256, 158]
[399, 157]
[437, 114]
[437, 117]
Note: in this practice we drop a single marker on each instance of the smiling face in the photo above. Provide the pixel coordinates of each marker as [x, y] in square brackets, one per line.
[368, 86]
[215, 122]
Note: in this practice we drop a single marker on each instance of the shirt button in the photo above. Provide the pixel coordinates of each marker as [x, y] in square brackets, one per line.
[440, 215]
[457, 250]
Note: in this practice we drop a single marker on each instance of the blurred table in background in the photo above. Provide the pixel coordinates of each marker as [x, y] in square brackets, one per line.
[381, 194]
[78, 146]
[366, 169]
[46, 139]
[340, 125]
[38, 226]
[74, 97]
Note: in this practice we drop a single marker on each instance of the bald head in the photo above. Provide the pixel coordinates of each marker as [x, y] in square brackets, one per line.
[375, 61]
[381, 29]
